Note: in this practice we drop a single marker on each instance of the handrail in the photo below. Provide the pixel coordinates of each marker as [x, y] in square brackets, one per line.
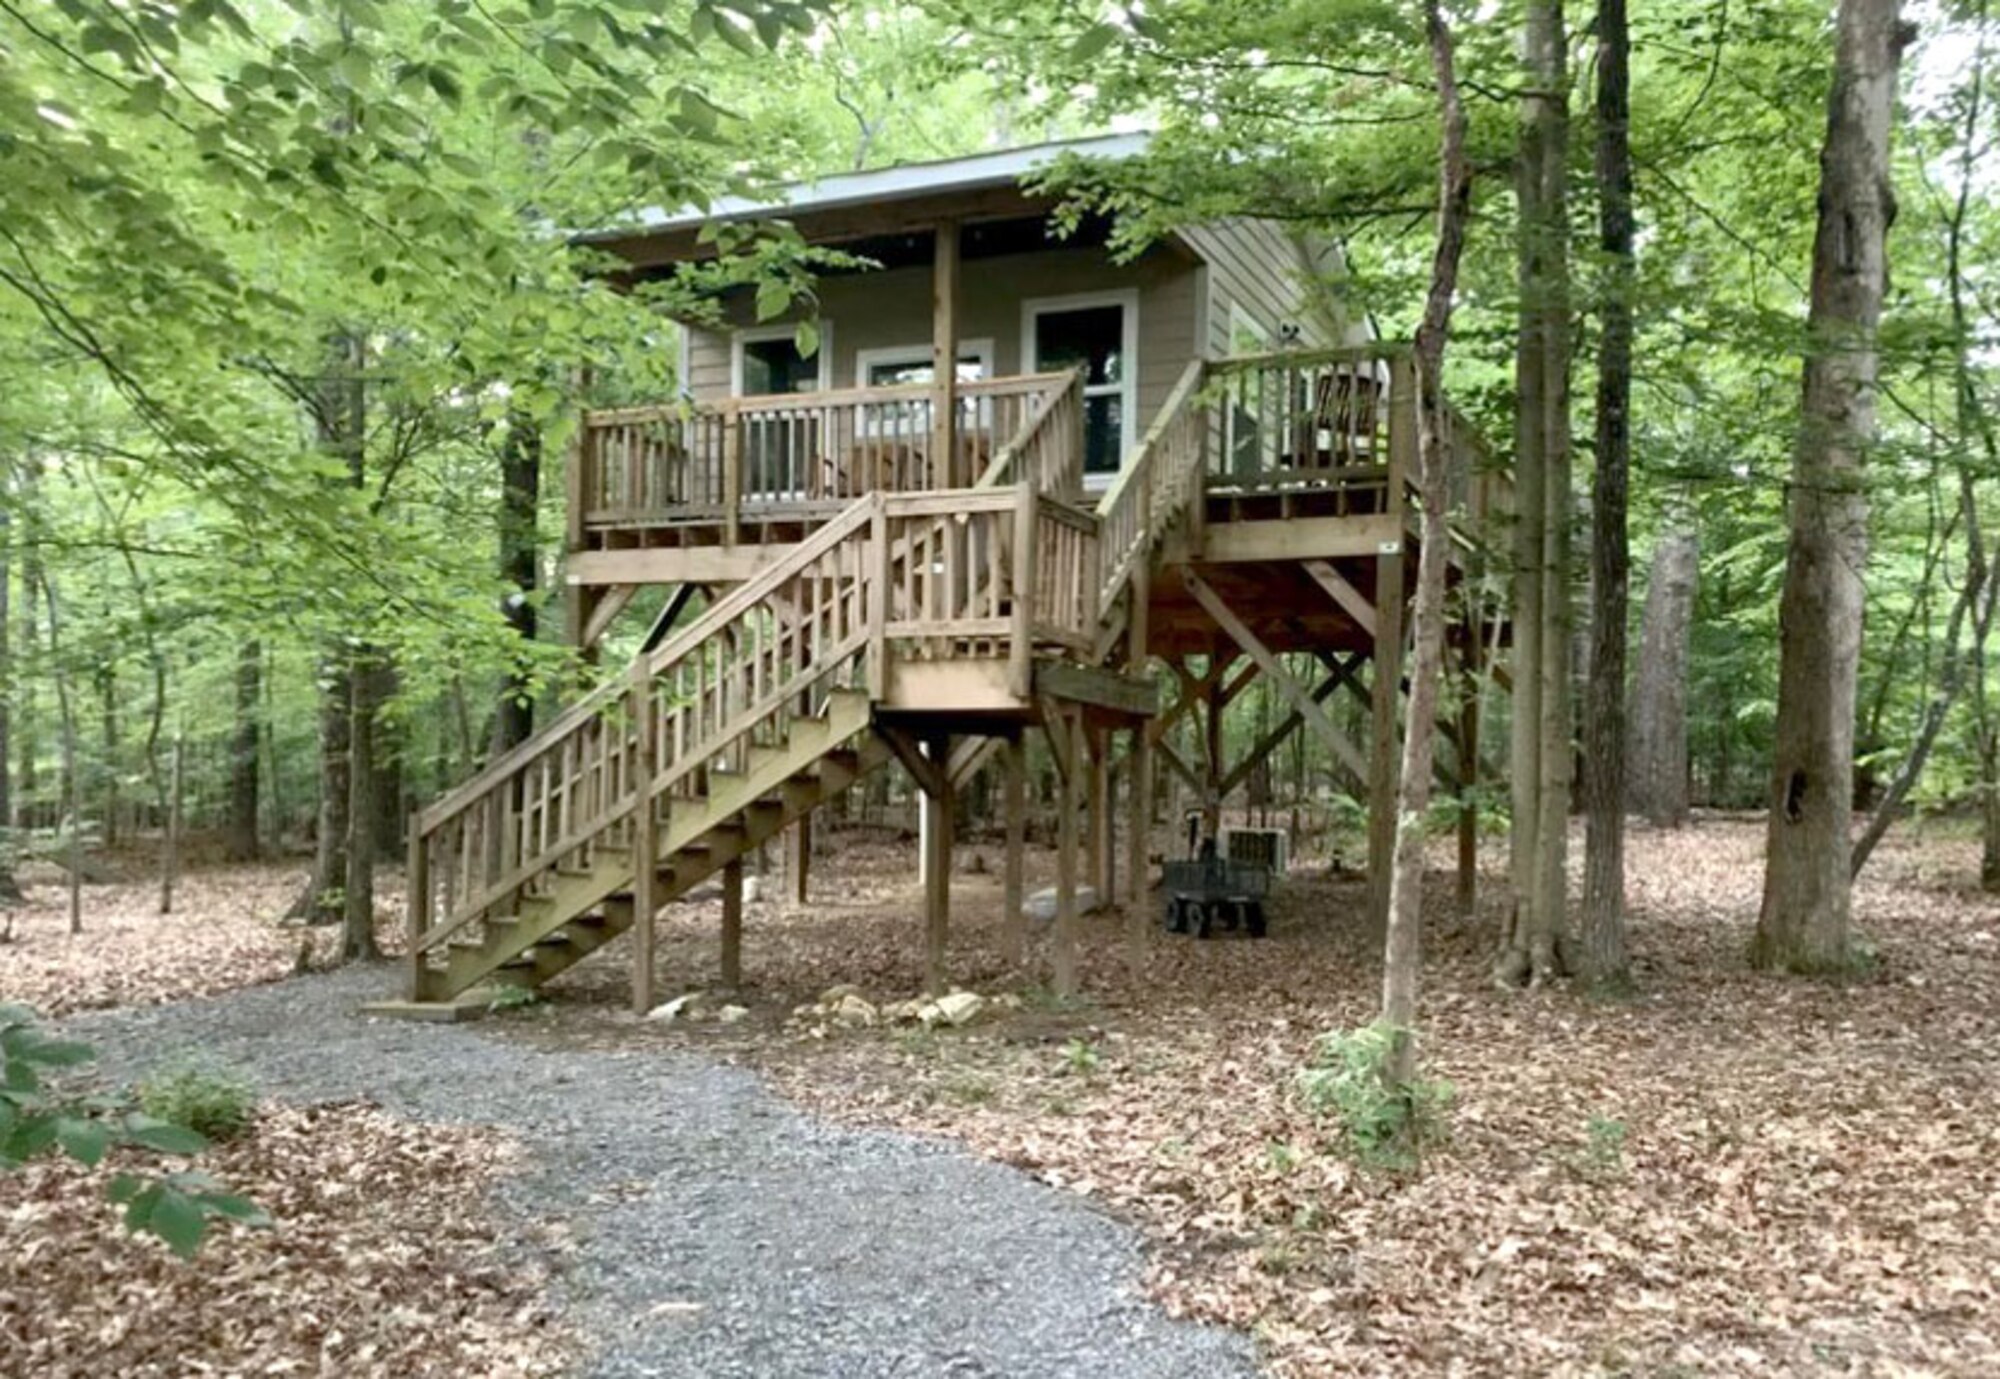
[1000, 469]
[1150, 492]
[713, 619]
[1006, 385]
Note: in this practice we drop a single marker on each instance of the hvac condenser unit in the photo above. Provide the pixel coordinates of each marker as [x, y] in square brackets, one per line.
[1264, 847]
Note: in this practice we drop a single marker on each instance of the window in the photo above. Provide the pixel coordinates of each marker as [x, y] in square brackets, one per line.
[885, 368]
[1100, 332]
[768, 361]
[899, 364]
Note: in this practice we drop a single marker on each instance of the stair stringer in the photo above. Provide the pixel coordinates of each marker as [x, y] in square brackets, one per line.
[585, 908]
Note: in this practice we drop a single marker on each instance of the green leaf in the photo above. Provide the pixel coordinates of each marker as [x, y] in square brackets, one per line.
[162, 1136]
[1095, 40]
[83, 1140]
[806, 338]
[177, 1219]
[235, 1208]
[772, 299]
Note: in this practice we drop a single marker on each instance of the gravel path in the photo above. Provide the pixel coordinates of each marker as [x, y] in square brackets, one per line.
[811, 1250]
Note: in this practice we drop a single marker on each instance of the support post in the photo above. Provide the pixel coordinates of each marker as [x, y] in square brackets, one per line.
[798, 859]
[1211, 784]
[937, 880]
[944, 357]
[1099, 871]
[732, 923]
[1139, 770]
[645, 859]
[1064, 743]
[1014, 924]
[417, 917]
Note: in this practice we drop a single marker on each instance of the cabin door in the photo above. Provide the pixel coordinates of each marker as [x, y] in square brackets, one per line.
[1100, 332]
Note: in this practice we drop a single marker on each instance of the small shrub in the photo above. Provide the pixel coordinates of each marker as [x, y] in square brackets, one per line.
[214, 1103]
[513, 998]
[1381, 1123]
[1080, 1057]
[1604, 1156]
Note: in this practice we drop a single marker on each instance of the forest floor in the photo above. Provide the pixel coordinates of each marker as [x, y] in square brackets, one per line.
[1724, 1173]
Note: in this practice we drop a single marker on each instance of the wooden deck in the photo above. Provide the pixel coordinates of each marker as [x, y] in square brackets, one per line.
[918, 575]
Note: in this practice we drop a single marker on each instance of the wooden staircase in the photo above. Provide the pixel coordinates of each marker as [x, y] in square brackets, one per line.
[751, 717]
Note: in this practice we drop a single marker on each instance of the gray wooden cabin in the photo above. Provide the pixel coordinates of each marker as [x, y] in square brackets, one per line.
[1164, 474]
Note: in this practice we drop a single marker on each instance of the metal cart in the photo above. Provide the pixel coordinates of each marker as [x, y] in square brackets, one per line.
[1206, 893]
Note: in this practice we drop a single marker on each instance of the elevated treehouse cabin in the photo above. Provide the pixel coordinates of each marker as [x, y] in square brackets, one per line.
[1017, 480]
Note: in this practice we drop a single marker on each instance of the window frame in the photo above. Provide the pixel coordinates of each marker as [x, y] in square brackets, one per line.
[1126, 390]
[746, 335]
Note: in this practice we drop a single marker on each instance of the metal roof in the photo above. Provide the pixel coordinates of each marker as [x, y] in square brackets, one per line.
[1004, 167]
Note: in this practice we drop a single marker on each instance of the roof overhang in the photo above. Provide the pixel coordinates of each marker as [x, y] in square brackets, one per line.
[985, 186]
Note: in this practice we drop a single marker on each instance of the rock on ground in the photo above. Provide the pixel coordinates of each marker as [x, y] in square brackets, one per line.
[720, 1231]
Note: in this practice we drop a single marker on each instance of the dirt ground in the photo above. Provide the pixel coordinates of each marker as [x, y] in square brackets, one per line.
[1725, 1173]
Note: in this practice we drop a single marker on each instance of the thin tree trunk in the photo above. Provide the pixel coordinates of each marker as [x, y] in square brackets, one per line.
[10, 889]
[241, 842]
[1804, 920]
[1659, 755]
[366, 677]
[170, 868]
[72, 776]
[341, 417]
[1542, 735]
[1603, 951]
[107, 691]
[520, 553]
[1402, 946]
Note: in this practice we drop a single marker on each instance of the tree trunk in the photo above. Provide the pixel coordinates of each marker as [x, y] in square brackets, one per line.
[10, 889]
[170, 859]
[388, 745]
[341, 417]
[1542, 736]
[1659, 776]
[72, 773]
[1803, 924]
[1402, 945]
[520, 552]
[366, 681]
[320, 902]
[107, 692]
[1603, 950]
[240, 842]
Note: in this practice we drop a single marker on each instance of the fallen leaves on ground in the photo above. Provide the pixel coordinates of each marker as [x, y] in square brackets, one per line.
[224, 933]
[381, 1262]
[1726, 1173]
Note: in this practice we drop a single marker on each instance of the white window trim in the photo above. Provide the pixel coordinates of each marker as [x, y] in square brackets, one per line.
[864, 360]
[748, 334]
[1127, 388]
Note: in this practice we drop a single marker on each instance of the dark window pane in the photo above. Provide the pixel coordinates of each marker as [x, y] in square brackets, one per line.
[776, 366]
[1093, 336]
[1103, 419]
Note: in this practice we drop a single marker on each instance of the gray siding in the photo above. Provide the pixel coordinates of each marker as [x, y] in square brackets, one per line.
[1184, 306]
[892, 309]
[1259, 267]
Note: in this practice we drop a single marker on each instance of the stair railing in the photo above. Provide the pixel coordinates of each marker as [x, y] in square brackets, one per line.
[711, 689]
[1162, 480]
[1047, 451]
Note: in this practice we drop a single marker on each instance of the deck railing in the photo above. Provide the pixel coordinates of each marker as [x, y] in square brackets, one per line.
[641, 466]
